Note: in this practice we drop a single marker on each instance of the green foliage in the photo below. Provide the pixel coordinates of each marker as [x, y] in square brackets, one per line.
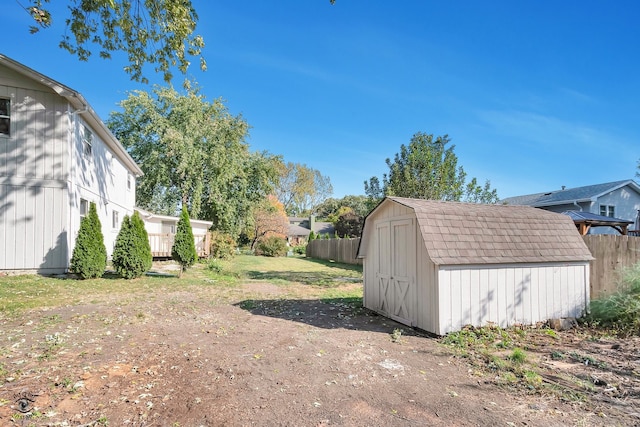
[621, 310]
[312, 235]
[300, 249]
[215, 266]
[193, 154]
[89, 258]
[332, 208]
[184, 247]
[155, 32]
[132, 254]
[272, 246]
[428, 169]
[301, 189]
[349, 225]
[223, 246]
[518, 356]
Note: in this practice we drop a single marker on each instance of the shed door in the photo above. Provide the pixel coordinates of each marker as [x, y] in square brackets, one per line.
[395, 273]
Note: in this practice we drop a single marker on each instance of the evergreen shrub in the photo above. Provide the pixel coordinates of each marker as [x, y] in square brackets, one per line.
[132, 253]
[184, 247]
[89, 258]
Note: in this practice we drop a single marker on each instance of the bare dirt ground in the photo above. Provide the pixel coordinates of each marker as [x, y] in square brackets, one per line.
[186, 359]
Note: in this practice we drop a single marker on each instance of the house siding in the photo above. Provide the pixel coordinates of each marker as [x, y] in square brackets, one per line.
[511, 294]
[43, 175]
[34, 162]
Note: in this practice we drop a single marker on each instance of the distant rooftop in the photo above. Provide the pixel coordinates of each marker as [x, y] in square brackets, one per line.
[569, 195]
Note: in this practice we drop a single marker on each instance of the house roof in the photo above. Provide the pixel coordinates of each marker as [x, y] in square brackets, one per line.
[146, 215]
[457, 233]
[570, 195]
[81, 106]
[591, 218]
[302, 230]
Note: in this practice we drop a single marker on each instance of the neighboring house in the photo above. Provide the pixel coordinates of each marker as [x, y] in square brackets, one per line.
[162, 230]
[56, 157]
[619, 200]
[442, 265]
[299, 229]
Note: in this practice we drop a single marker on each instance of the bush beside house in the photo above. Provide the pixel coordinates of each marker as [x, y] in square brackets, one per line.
[89, 258]
[132, 253]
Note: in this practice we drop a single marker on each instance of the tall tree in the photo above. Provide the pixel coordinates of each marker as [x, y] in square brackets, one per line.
[332, 208]
[193, 154]
[428, 169]
[268, 219]
[302, 189]
[155, 32]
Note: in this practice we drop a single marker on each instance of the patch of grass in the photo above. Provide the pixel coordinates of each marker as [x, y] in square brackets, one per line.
[619, 311]
[518, 356]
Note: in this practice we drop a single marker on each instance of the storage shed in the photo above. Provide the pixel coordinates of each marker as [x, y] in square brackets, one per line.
[441, 265]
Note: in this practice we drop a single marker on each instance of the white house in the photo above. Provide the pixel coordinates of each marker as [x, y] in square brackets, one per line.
[162, 230]
[440, 265]
[619, 200]
[56, 157]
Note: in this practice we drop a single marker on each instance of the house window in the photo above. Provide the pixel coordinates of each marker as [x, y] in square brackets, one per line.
[608, 210]
[115, 220]
[5, 117]
[84, 208]
[87, 142]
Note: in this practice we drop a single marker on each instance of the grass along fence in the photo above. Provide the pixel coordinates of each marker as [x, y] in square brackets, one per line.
[338, 250]
[612, 254]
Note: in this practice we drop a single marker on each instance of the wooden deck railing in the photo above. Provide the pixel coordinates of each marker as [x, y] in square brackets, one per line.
[161, 244]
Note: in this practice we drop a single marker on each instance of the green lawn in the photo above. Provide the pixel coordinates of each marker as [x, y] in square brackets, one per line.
[295, 277]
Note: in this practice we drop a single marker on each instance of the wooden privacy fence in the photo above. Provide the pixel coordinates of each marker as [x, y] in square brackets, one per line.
[338, 250]
[612, 253]
[161, 244]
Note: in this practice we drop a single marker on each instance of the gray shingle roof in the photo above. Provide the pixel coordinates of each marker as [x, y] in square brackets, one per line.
[468, 233]
[568, 195]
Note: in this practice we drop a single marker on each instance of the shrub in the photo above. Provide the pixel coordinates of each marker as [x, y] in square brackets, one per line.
[312, 235]
[300, 249]
[621, 310]
[132, 253]
[184, 247]
[223, 246]
[215, 266]
[89, 258]
[272, 246]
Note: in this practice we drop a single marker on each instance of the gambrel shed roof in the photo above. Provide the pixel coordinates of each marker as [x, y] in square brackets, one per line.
[457, 233]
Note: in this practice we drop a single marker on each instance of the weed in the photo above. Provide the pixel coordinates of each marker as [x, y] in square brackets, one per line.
[557, 355]
[396, 335]
[587, 360]
[532, 378]
[215, 266]
[619, 311]
[518, 356]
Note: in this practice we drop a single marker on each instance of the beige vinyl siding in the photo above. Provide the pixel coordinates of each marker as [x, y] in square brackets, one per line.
[38, 145]
[30, 241]
[510, 295]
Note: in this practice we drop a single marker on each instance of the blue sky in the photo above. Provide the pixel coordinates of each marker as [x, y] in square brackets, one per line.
[534, 95]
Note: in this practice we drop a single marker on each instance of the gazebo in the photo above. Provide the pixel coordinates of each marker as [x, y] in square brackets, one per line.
[585, 220]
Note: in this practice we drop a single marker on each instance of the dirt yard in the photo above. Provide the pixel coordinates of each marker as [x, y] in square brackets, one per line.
[256, 357]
